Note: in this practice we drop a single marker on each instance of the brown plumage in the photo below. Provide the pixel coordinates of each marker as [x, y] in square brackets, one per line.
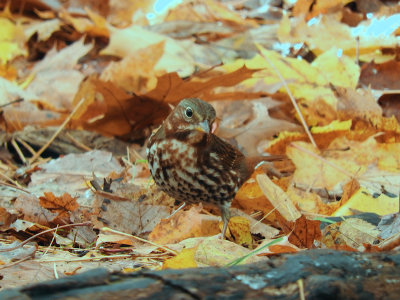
[191, 164]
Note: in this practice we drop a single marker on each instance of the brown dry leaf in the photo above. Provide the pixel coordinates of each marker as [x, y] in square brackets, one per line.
[349, 189]
[208, 11]
[358, 104]
[6, 218]
[71, 173]
[183, 225]
[124, 42]
[96, 25]
[249, 123]
[381, 76]
[113, 112]
[43, 28]
[61, 205]
[303, 232]
[136, 71]
[43, 267]
[30, 208]
[56, 79]
[332, 238]
[21, 114]
[356, 232]
[25, 251]
[171, 88]
[122, 13]
[129, 216]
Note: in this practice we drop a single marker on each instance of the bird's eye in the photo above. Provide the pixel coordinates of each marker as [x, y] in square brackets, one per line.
[189, 112]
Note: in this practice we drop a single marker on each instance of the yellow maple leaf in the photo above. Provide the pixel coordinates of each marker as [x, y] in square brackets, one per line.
[11, 41]
[185, 259]
[363, 201]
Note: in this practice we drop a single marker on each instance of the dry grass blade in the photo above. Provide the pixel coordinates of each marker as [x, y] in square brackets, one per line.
[36, 156]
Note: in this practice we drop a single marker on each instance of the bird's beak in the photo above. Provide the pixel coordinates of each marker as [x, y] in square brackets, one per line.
[203, 126]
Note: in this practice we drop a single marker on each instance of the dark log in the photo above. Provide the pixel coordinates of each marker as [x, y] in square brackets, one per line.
[325, 274]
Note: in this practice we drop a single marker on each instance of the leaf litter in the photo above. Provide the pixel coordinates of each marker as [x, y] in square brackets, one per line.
[113, 75]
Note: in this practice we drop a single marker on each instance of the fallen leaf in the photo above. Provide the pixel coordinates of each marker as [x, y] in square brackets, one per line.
[183, 225]
[61, 205]
[185, 259]
[363, 201]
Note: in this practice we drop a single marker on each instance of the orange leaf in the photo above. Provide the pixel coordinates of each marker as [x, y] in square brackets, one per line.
[62, 205]
[302, 232]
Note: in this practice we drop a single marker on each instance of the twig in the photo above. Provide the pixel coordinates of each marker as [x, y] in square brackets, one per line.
[51, 243]
[10, 179]
[16, 262]
[33, 158]
[87, 258]
[303, 121]
[78, 143]
[15, 186]
[12, 102]
[106, 229]
[357, 50]
[43, 232]
[26, 145]
[18, 150]
[301, 289]
[55, 270]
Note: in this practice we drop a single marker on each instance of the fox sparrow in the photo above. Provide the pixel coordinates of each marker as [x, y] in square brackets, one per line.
[191, 164]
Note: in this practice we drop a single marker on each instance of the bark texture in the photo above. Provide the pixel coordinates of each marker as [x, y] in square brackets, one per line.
[324, 274]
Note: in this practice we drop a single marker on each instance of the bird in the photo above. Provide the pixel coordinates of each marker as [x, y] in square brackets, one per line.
[191, 164]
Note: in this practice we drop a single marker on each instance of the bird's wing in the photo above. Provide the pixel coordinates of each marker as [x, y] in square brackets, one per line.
[230, 157]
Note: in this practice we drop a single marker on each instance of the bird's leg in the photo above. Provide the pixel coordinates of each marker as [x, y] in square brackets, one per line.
[226, 215]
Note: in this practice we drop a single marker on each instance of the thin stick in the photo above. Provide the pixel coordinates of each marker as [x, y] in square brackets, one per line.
[26, 145]
[15, 186]
[357, 50]
[55, 270]
[19, 152]
[87, 258]
[78, 143]
[51, 243]
[10, 179]
[300, 283]
[43, 232]
[106, 229]
[303, 121]
[16, 262]
[33, 158]
[12, 102]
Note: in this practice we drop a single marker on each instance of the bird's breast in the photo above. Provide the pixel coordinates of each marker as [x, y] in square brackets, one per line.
[189, 173]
